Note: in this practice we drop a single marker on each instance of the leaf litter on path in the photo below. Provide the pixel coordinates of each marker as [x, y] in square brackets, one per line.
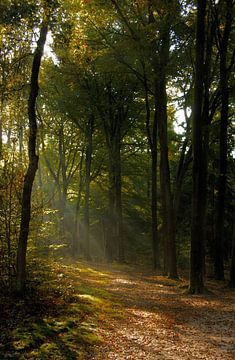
[101, 312]
[161, 322]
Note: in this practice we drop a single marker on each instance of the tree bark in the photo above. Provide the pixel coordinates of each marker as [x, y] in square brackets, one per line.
[160, 59]
[223, 146]
[197, 224]
[64, 190]
[155, 237]
[110, 229]
[77, 226]
[88, 159]
[118, 188]
[184, 162]
[232, 267]
[113, 129]
[166, 194]
[152, 140]
[1, 117]
[33, 162]
[115, 218]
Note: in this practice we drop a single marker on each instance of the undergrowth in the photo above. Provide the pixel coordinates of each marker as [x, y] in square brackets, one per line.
[57, 319]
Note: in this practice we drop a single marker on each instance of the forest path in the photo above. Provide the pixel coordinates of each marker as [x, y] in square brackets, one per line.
[145, 316]
[88, 311]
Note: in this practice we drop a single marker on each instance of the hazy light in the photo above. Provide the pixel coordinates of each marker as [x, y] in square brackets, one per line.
[4, 138]
[48, 52]
[179, 122]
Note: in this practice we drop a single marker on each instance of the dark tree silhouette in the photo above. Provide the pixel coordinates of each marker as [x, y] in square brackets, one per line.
[198, 203]
[33, 161]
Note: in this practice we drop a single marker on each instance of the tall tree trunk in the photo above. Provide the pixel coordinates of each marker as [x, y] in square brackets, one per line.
[167, 202]
[109, 128]
[224, 88]
[197, 230]
[1, 117]
[88, 159]
[120, 239]
[207, 115]
[118, 189]
[21, 140]
[152, 140]
[33, 162]
[113, 127]
[115, 191]
[111, 229]
[166, 194]
[184, 162]
[115, 218]
[232, 267]
[155, 237]
[77, 225]
[64, 190]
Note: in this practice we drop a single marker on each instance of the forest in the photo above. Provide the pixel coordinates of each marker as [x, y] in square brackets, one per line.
[117, 173]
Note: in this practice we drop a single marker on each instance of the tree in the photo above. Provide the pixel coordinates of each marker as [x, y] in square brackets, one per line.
[114, 105]
[158, 52]
[33, 160]
[232, 268]
[152, 140]
[118, 78]
[88, 158]
[223, 33]
[197, 222]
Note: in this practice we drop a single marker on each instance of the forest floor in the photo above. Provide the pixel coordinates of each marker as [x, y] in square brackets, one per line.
[93, 311]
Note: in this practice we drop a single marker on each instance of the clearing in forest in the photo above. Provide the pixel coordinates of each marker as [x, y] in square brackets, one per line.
[88, 311]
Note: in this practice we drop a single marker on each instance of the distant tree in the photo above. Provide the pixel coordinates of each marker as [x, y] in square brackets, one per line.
[153, 53]
[88, 160]
[115, 113]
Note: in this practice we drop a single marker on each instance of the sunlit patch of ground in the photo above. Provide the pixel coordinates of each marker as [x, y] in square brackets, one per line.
[58, 321]
[162, 322]
[97, 311]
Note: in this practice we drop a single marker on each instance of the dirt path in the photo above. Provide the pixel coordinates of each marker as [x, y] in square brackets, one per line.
[84, 311]
[155, 320]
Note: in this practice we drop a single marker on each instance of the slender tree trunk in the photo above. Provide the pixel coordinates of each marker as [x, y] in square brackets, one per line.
[155, 238]
[207, 115]
[121, 252]
[115, 218]
[76, 235]
[184, 162]
[223, 146]
[113, 126]
[232, 267]
[63, 170]
[152, 140]
[1, 116]
[88, 160]
[64, 190]
[21, 137]
[109, 128]
[167, 202]
[118, 188]
[166, 195]
[9, 217]
[197, 230]
[33, 163]
[110, 230]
